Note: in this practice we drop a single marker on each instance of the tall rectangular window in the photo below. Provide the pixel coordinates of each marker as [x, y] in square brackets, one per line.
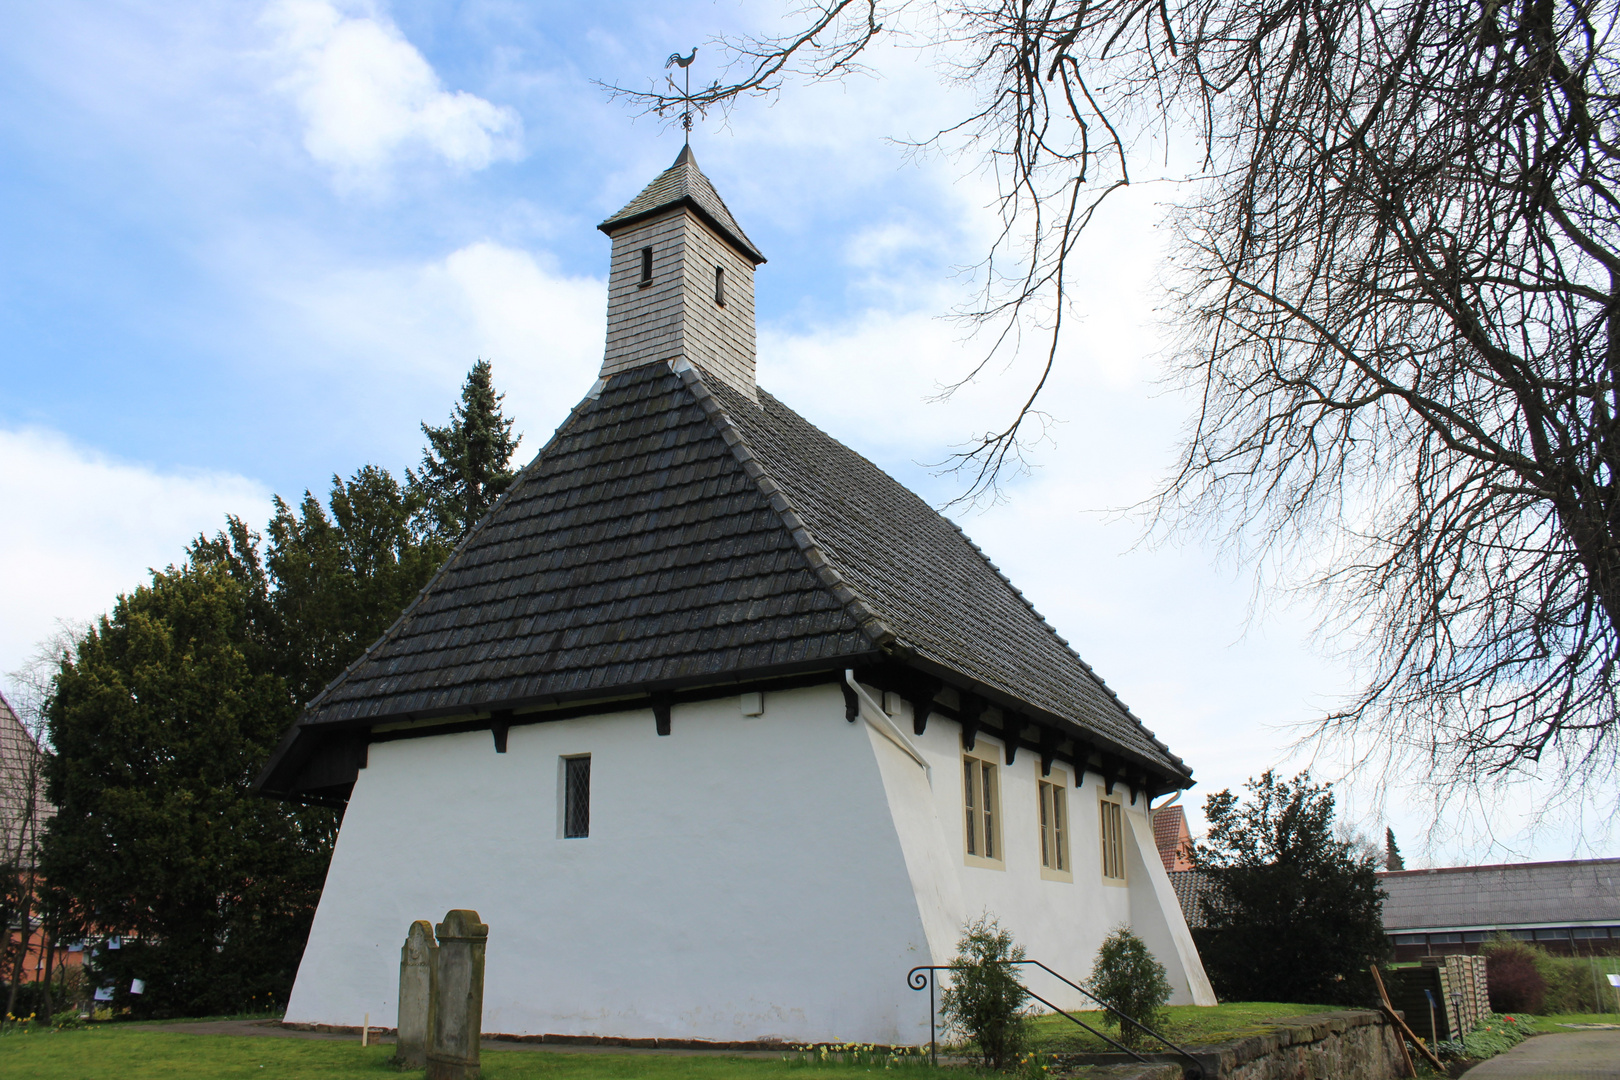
[720, 285]
[576, 797]
[1113, 840]
[1055, 826]
[981, 801]
[646, 266]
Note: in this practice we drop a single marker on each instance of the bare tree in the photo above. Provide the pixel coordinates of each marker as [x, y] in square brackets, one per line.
[1395, 289]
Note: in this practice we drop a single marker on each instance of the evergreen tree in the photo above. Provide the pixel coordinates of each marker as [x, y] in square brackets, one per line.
[340, 580]
[160, 720]
[166, 710]
[1392, 853]
[1294, 916]
[466, 464]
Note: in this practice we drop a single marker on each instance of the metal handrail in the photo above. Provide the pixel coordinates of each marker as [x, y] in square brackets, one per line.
[917, 980]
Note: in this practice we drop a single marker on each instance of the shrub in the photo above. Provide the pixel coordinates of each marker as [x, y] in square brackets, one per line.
[985, 1001]
[1514, 981]
[1127, 976]
[1493, 1035]
[1571, 983]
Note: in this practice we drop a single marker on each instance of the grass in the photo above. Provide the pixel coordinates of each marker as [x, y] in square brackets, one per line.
[1190, 1025]
[126, 1052]
[1550, 1023]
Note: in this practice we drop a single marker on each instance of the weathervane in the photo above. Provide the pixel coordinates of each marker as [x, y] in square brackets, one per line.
[684, 96]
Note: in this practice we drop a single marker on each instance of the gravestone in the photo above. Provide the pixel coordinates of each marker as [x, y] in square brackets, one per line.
[415, 988]
[456, 1003]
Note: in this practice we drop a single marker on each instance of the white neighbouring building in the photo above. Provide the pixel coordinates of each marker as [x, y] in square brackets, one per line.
[717, 726]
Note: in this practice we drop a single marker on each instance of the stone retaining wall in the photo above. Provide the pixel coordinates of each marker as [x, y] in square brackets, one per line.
[1333, 1046]
[1355, 1045]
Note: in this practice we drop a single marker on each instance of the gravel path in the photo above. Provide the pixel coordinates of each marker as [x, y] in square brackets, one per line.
[1572, 1055]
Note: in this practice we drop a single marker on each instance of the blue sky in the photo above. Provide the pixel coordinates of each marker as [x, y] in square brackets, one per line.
[248, 245]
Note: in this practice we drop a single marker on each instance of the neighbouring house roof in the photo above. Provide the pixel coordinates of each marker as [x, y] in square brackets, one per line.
[1506, 895]
[683, 184]
[675, 533]
[23, 806]
[1171, 837]
[1191, 886]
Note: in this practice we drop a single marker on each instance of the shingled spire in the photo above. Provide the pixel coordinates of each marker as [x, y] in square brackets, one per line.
[681, 283]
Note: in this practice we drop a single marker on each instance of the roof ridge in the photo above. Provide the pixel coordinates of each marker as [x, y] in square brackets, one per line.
[1098, 679]
[405, 616]
[871, 624]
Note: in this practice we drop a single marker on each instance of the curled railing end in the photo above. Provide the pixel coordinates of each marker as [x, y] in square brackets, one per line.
[917, 978]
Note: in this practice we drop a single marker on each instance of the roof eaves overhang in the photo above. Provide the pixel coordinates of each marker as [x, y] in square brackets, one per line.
[298, 748]
[1080, 734]
[738, 243]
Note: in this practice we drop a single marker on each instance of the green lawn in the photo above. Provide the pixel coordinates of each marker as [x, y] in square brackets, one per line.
[135, 1052]
[126, 1052]
[1190, 1025]
[1550, 1023]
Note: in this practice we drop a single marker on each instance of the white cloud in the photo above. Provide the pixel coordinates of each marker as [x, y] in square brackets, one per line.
[368, 96]
[405, 334]
[87, 527]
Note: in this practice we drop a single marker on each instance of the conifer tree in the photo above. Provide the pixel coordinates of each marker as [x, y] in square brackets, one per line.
[1294, 914]
[466, 464]
[342, 573]
[1392, 854]
[160, 719]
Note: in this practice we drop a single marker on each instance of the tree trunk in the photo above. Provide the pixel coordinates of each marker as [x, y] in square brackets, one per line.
[24, 935]
[50, 956]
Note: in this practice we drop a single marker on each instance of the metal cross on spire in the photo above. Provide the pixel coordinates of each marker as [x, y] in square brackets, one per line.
[684, 95]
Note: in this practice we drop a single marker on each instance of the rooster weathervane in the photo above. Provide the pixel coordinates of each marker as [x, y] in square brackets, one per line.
[683, 95]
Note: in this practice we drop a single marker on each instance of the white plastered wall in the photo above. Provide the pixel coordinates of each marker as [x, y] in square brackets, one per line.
[746, 878]
[1061, 923]
[743, 879]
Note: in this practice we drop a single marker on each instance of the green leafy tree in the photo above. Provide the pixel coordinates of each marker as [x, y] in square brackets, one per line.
[160, 719]
[342, 576]
[467, 463]
[1295, 915]
[1126, 975]
[985, 1000]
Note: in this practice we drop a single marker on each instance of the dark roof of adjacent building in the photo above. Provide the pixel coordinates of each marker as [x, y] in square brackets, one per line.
[1191, 887]
[683, 184]
[675, 533]
[1504, 895]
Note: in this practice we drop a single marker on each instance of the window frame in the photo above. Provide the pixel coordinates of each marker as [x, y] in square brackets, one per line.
[976, 807]
[646, 267]
[1052, 799]
[565, 797]
[1111, 812]
[719, 286]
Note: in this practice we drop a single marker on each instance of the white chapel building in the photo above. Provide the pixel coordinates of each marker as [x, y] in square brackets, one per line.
[717, 726]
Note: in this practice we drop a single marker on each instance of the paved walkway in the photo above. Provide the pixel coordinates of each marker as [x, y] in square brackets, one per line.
[273, 1029]
[1572, 1055]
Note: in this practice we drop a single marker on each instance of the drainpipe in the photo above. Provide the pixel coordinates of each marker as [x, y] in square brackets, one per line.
[873, 714]
[1171, 801]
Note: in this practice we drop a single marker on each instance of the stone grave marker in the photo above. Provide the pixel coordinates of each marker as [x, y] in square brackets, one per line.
[456, 1003]
[415, 987]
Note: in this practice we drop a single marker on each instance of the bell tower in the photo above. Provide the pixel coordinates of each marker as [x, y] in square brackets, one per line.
[681, 282]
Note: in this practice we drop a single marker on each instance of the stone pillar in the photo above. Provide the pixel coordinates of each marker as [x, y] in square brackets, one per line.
[456, 1004]
[415, 987]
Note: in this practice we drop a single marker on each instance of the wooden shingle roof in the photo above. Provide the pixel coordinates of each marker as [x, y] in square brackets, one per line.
[683, 184]
[675, 534]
